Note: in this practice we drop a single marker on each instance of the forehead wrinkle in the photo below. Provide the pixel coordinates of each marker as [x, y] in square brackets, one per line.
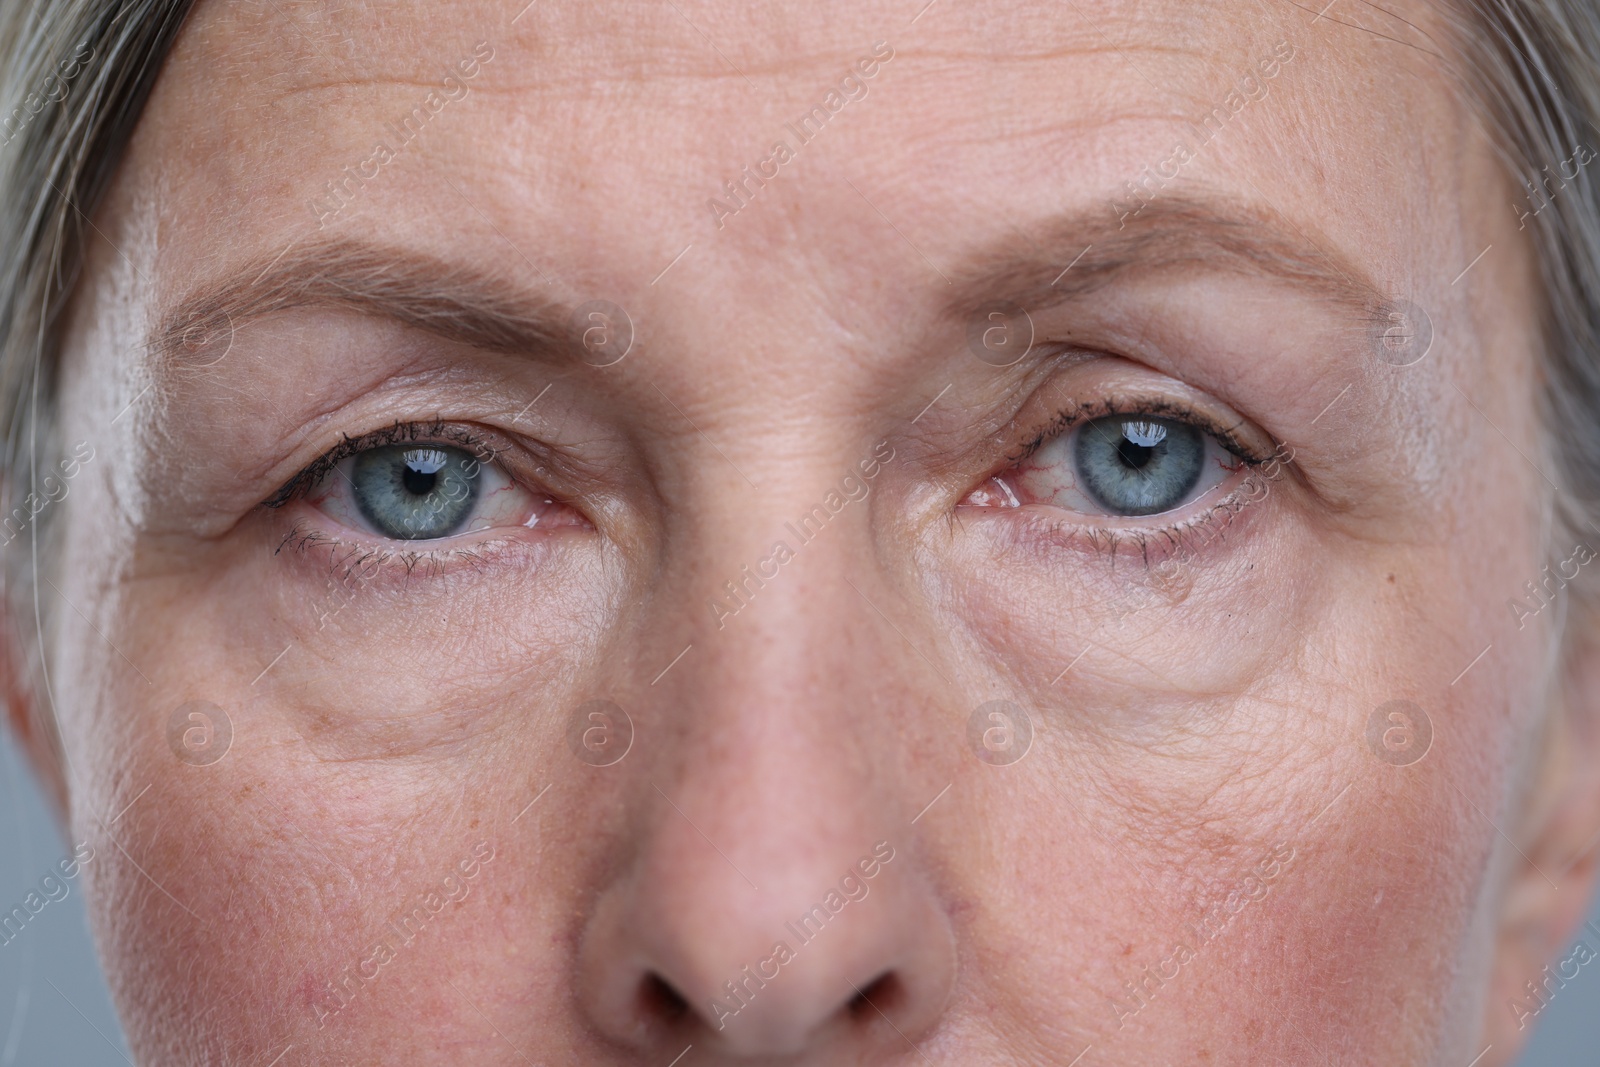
[668, 49]
[685, 44]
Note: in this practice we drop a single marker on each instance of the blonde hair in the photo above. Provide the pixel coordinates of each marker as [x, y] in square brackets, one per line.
[74, 78]
[1536, 69]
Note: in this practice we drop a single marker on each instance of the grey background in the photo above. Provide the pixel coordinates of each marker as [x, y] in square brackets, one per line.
[54, 1008]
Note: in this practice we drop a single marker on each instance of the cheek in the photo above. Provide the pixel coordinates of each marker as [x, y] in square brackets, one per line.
[1177, 743]
[326, 925]
[290, 793]
[1155, 945]
[1155, 631]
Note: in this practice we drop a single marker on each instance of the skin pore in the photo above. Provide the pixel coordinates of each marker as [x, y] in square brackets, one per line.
[407, 853]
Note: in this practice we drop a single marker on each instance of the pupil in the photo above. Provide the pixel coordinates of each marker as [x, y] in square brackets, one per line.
[1139, 466]
[419, 482]
[414, 493]
[1134, 456]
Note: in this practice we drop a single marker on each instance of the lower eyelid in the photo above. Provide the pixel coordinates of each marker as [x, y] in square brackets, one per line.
[1009, 490]
[327, 518]
[1036, 527]
[337, 554]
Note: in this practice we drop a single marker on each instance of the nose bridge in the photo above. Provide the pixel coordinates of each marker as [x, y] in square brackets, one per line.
[777, 750]
[776, 882]
[782, 577]
[794, 700]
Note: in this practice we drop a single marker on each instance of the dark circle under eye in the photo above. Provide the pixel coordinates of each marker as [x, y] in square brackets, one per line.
[1138, 464]
[415, 492]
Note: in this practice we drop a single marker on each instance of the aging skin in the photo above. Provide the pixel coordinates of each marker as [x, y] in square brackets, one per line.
[401, 856]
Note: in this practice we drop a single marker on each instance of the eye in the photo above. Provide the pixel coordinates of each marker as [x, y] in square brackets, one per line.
[1124, 465]
[1138, 466]
[414, 492]
[422, 491]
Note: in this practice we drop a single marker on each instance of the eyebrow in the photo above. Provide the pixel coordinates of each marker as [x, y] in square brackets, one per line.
[453, 301]
[1167, 232]
[488, 311]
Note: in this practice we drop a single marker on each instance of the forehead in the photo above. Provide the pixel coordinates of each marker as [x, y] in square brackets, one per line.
[594, 147]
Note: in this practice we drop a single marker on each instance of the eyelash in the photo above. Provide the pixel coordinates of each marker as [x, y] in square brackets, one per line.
[303, 537]
[435, 432]
[1178, 536]
[1178, 539]
[1070, 418]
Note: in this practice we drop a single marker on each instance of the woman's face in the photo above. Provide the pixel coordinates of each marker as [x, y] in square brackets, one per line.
[832, 534]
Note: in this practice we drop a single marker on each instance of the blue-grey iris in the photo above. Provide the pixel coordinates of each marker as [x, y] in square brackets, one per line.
[415, 492]
[1138, 464]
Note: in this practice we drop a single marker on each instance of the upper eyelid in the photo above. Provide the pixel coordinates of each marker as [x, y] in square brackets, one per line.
[436, 432]
[1066, 421]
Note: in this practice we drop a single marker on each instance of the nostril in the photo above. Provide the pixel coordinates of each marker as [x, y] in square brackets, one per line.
[659, 1000]
[882, 995]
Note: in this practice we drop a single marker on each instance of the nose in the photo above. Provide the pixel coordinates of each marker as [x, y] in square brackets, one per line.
[773, 899]
[864, 960]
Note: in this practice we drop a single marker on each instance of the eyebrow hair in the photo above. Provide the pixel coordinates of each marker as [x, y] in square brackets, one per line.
[1166, 232]
[453, 301]
[474, 307]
